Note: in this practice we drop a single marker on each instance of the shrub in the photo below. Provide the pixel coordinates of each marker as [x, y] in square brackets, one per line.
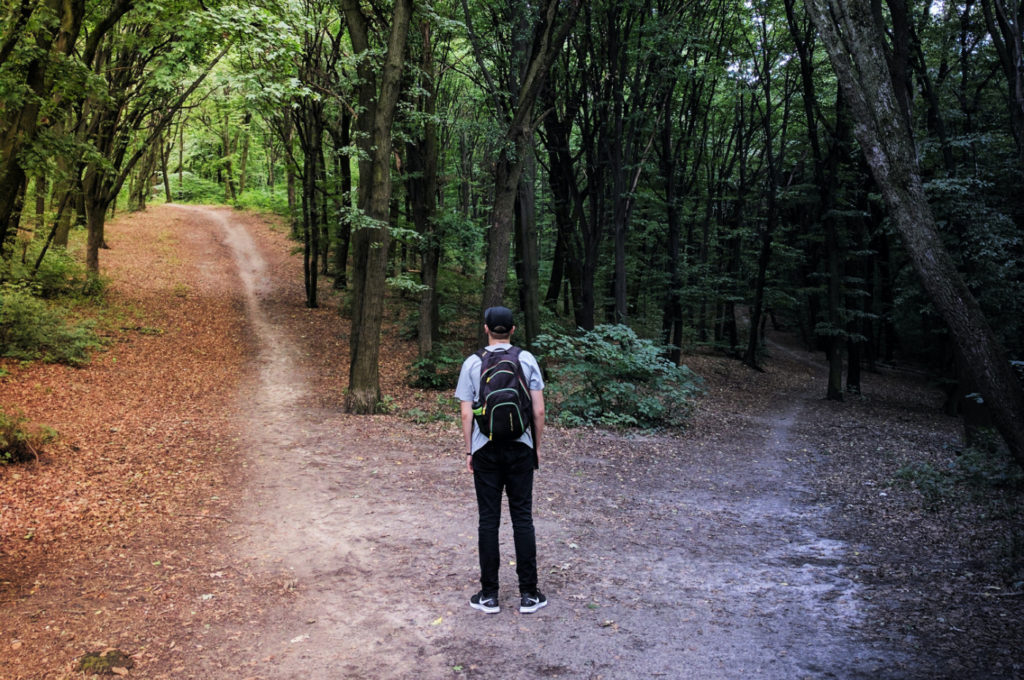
[195, 189]
[611, 377]
[439, 371]
[980, 470]
[20, 440]
[32, 329]
[59, 273]
[263, 200]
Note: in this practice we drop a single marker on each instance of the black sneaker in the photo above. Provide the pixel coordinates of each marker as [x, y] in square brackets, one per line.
[485, 603]
[531, 602]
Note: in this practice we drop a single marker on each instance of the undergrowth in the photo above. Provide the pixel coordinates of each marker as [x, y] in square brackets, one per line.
[611, 377]
[21, 440]
[36, 321]
[973, 472]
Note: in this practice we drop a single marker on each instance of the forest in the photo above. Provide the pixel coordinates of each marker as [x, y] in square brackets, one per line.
[653, 186]
[691, 170]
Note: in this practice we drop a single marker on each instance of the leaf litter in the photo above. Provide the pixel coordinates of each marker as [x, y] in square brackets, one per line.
[769, 540]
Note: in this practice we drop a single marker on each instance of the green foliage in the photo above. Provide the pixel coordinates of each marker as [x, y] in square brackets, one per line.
[406, 284]
[59, 274]
[191, 188]
[439, 371]
[977, 469]
[32, 329]
[263, 200]
[931, 483]
[611, 377]
[445, 409]
[385, 405]
[20, 440]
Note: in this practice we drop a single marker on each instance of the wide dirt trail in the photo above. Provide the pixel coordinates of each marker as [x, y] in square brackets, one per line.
[707, 556]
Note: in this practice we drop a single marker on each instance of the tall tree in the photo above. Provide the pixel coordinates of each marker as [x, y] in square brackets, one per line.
[857, 48]
[1005, 22]
[378, 97]
[38, 34]
[148, 69]
[514, 101]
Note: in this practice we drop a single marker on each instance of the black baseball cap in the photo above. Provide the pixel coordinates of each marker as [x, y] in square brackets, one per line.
[499, 319]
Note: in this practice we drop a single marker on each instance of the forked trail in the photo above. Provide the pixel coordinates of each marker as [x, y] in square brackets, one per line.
[704, 556]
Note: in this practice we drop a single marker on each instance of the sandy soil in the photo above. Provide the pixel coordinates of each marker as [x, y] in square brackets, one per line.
[347, 546]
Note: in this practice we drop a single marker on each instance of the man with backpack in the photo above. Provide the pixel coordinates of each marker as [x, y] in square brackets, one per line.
[502, 408]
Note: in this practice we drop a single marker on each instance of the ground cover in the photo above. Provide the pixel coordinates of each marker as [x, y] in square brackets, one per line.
[210, 511]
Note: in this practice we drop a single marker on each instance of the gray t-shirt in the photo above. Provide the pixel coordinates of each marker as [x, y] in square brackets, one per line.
[469, 386]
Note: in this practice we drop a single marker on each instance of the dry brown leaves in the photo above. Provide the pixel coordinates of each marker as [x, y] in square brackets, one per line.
[96, 536]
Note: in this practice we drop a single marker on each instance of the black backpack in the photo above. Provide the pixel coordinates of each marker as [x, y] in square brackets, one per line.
[503, 409]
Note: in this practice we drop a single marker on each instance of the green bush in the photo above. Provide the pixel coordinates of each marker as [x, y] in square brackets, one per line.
[439, 371]
[59, 273]
[263, 200]
[933, 484]
[980, 470]
[31, 329]
[194, 189]
[611, 377]
[20, 440]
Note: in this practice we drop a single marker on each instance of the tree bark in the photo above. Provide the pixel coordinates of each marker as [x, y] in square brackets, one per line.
[19, 127]
[423, 163]
[343, 198]
[527, 257]
[855, 43]
[371, 240]
[548, 38]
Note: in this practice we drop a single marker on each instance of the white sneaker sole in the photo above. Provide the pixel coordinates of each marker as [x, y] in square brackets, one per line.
[532, 609]
[485, 610]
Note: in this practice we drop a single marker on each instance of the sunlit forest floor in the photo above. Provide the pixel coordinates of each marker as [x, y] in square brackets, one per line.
[211, 512]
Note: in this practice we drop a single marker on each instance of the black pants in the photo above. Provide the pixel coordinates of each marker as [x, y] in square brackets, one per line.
[505, 466]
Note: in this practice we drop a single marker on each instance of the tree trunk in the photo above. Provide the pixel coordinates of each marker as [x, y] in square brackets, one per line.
[371, 242]
[855, 44]
[527, 262]
[672, 312]
[547, 43]
[21, 125]
[423, 163]
[343, 232]
[229, 180]
[286, 137]
[40, 187]
[95, 216]
[165, 152]
[1005, 22]
[243, 160]
[834, 341]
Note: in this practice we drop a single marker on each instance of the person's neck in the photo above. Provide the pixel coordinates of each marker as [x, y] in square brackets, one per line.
[495, 341]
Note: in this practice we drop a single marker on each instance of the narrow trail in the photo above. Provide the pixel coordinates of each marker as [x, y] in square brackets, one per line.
[700, 557]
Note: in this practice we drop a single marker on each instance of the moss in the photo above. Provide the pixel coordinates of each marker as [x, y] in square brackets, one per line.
[104, 663]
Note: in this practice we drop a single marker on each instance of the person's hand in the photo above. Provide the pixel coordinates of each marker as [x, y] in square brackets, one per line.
[469, 463]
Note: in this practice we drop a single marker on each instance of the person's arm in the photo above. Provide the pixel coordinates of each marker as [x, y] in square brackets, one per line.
[538, 420]
[466, 411]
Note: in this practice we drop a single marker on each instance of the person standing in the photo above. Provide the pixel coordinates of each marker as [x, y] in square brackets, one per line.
[507, 466]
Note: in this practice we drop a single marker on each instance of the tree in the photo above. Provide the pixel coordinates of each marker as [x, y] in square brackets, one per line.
[378, 97]
[513, 101]
[856, 46]
[39, 36]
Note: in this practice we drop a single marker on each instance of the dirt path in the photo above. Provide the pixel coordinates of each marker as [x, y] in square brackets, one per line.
[702, 557]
